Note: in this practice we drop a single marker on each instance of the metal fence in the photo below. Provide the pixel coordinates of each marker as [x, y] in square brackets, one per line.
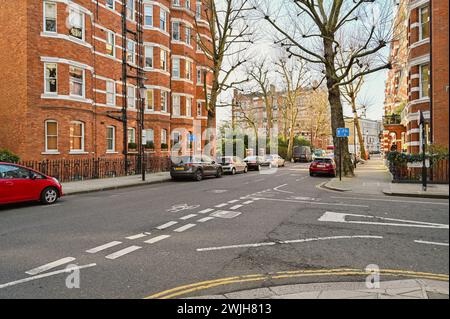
[68, 170]
[437, 173]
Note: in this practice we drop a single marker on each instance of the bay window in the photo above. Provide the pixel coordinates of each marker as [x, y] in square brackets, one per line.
[76, 78]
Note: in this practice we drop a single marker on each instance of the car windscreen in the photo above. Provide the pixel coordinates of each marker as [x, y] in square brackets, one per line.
[250, 158]
[184, 160]
[323, 160]
[225, 160]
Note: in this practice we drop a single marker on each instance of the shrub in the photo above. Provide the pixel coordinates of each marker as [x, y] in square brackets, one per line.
[150, 145]
[164, 146]
[132, 146]
[8, 156]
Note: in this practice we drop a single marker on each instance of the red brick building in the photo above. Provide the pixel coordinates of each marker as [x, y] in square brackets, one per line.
[426, 67]
[63, 92]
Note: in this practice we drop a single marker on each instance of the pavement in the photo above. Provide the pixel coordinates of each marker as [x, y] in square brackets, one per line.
[95, 185]
[395, 289]
[221, 235]
[373, 177]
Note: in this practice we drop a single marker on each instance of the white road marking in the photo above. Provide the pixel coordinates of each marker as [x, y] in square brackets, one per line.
[391, 200]
[221, 205]
[225, 214]
[236, 207]
[205, 219]
[167, 225]
[103, 247]
[234, 201]
[430, 243]
[296, 241]
[156, 239]
[49, 266]
[137, 236]
[281, 191]
[247, 202]
[66, 270]
[185, 227]
[312, 203]
[340, 218]
[188, 216]
[206, 211]
[123, 252]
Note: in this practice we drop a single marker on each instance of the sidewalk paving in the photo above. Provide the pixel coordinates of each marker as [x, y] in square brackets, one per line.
[373, 178]
[113, 183]
[396, 289]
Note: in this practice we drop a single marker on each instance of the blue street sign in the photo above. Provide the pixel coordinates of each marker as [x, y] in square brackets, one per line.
[192, 138]
[343, 132]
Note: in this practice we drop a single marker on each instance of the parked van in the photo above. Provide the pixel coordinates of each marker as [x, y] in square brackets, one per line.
[302, 154]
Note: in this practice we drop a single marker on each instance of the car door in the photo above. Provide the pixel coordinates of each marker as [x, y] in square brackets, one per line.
[19, 183]
[208, 166]
[7, 194]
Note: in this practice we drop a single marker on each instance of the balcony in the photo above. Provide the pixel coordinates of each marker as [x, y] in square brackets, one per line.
[392, 119]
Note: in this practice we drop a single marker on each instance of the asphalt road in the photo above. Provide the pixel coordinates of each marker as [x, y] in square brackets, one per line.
[136, 242]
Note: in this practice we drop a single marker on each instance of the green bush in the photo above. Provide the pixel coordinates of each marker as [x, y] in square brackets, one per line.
[150, 145]
[132, 146]
[164, 146]
[8, 156]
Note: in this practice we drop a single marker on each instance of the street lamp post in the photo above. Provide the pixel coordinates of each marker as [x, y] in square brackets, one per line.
[142, 92]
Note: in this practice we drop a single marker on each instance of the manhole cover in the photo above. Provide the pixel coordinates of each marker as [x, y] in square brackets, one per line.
[225, 214]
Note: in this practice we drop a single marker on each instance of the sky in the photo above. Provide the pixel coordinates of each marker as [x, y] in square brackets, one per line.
[372, 92]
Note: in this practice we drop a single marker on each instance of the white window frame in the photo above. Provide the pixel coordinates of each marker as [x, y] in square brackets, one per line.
[47, 78]
[163, 136]
[111, 36]
[176, 3]
[421, 81]
[113, 138]
[199, 107]
[132, 51]
[176, 105]
[163, 59]
[152, 56]
[163, 20]
[178, 134]
[176, 31]
[145, 15]
[132, 11]
[421, 22]
[82, 137]
[148, 135]
[131, 96]
[47, 150]
[45, 16]
[113, 5]
[187, 34]
[111, 94]
[83, 24]
[199, 75]
[176, 68]
[131, 138]
[188, 69]
[188, 106]
[187, 4]
[147, 106]
[83, 82]
[198, 10]
[165, 98]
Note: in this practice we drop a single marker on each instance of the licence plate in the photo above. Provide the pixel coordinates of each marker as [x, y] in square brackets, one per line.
[320, 165]
[179, 168]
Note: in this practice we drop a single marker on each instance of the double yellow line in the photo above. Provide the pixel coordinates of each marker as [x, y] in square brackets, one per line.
[203, 285]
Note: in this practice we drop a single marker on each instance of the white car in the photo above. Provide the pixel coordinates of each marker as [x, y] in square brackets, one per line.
[275, 160]
[232, 164]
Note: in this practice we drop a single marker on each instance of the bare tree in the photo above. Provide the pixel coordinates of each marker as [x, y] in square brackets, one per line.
[258, 72]
[294, 75]
[225, 47]
[312, 32]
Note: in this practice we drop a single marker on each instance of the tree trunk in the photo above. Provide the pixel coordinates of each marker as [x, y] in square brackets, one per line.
[358, 129]
[291, 142]
[337, 121]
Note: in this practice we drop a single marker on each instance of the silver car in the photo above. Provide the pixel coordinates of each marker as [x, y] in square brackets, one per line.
[232, 164]
[275, 160]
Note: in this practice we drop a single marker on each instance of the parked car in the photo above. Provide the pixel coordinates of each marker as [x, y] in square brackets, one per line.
[275, 160]
[255, 162]
[21, 184]
[194, 167]
[232, 164]
[301, 154]
[323, 166]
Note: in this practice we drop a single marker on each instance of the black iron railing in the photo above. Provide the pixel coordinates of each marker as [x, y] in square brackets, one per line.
[437, 173]
[68, 170]
[393, 119]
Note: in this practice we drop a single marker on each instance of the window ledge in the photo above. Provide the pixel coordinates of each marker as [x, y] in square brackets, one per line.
[51, 153]
[78, 153]
[112, 152]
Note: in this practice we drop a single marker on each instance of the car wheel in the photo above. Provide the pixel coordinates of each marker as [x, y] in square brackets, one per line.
[311, 174]
[233, 171]
[198, 175]
[49, 196]
[219, 173]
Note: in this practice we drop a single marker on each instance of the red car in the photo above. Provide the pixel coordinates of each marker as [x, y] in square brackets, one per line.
[323, 165]
[21, 184]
